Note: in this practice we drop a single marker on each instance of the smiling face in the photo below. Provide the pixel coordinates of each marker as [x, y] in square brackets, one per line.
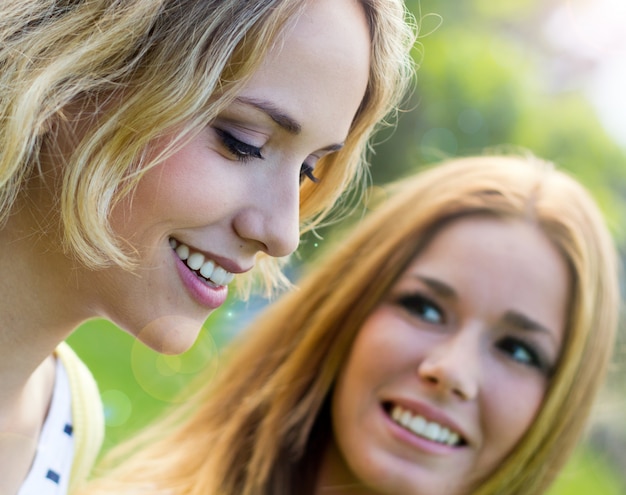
[448, 372]
[201, 216]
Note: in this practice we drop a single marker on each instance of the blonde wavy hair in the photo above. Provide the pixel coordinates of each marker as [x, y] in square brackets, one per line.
[145, 67]
[261, 426]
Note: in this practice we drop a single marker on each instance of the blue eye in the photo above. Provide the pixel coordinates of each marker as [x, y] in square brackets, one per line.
[520, 352]
[240, 150]
[423, 308]
[306, 171]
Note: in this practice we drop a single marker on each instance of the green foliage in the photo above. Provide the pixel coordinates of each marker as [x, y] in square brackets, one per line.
[489, 79]
[585, 475]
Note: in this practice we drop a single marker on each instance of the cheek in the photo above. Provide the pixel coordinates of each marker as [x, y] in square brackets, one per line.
[188, 189]
[183, 178]
[358, 379]
[509, 408]
[377, 351]
[381, 356]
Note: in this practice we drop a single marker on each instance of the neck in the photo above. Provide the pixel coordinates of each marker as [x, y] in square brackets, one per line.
[39, 307]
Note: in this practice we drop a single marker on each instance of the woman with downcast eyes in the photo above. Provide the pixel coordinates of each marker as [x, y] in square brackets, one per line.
[451, 344]
[151, 151]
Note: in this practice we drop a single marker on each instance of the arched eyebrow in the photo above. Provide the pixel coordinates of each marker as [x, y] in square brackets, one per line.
[284, 121]
[291, 125]
[437, 286]
[523, 322]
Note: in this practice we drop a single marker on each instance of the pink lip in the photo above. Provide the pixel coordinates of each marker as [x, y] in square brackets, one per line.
[209, 296]
[430, 414]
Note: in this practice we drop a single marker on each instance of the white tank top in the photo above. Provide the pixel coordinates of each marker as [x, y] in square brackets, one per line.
[50, 472]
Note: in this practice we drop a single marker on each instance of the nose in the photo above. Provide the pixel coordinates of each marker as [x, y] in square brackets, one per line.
[271, 219]
[452, 368]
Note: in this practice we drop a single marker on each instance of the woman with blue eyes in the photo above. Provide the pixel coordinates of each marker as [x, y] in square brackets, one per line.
[452, 344]
[151, 152]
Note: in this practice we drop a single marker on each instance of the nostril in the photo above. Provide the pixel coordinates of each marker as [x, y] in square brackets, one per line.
[459, 393]
[432, 379]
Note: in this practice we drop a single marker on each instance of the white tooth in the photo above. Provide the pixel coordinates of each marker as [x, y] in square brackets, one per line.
[229, 278]
[183, 252]
[444, 433]
[432, 431]
[453, 439]
[207, 269]
[219, 275]
[173, 243]
[418, 425]
[195, 261]
[405, 419]
[396, 412]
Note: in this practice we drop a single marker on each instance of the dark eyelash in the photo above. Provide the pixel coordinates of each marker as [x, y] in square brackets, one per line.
[307, 171]
[242, 151]
[418, 305]
[536, 359]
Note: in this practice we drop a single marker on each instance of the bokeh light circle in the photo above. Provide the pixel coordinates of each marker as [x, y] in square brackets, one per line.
[165, 377]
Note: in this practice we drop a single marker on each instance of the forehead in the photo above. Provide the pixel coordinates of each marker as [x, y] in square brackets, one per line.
[489, 245]
[319, 68]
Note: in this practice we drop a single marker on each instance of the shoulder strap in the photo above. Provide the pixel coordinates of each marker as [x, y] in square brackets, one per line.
[87, 414]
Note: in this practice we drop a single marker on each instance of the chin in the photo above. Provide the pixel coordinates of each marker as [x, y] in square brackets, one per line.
[169, 334]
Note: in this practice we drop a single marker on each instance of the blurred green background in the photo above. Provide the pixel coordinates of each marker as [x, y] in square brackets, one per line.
[538, 75]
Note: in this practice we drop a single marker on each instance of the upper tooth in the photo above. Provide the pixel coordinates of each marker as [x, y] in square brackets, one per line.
[444, 433]
[453, 439]
[396, 413]
[405, 418]
[219, 275]
[420, 426]
[432, 431]
[183, 252]
[207, 269]
[195, 261]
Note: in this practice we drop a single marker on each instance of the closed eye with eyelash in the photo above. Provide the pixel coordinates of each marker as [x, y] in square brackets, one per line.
[306, 171]
[240, 150]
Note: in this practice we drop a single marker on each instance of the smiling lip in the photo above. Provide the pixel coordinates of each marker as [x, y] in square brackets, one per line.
[207, 277]
[228, 265]
[424, 427]
[204, 293]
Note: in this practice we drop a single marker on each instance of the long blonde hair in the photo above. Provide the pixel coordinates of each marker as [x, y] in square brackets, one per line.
[259, 428]
[145, 67]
